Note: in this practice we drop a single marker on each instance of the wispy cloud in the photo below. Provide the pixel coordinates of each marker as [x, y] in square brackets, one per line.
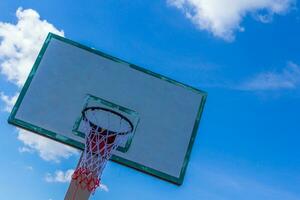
[288, 78]
[47, 149]
[240, 184]
[60, 176]
[217, 182]
[19, 47]
[29, 168]
[8, 101]
[25, 150]
[104, 187]
[223, 18]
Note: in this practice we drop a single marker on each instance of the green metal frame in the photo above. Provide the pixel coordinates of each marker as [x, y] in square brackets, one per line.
[113, 106]
[13, 120]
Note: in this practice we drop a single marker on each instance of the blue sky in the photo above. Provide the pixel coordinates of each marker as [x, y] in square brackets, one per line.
[245, 56]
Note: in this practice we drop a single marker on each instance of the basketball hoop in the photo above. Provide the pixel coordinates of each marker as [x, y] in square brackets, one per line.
[104, 129]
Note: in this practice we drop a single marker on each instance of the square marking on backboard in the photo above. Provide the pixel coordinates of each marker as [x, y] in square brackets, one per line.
[90, 100]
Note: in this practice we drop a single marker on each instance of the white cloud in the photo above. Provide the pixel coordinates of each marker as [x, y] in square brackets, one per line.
[19, 47]
[48, 150]
[20, 44]
[288, 78]
[223, 17]
[25, 150]
[59, 176]
[8, 101]
[104, 187]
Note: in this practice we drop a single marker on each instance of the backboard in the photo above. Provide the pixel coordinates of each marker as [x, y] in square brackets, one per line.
[67, 76]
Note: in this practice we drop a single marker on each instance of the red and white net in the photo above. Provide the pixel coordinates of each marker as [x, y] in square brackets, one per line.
[105, 130]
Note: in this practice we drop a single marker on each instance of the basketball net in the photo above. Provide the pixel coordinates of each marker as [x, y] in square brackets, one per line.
[104, 130]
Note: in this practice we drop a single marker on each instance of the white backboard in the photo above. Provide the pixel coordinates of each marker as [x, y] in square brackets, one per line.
[65, 72]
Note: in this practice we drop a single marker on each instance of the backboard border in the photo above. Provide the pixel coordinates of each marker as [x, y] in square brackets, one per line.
[70, 142]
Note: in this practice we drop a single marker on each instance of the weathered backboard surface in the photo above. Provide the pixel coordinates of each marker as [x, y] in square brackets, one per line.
[66, 72]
